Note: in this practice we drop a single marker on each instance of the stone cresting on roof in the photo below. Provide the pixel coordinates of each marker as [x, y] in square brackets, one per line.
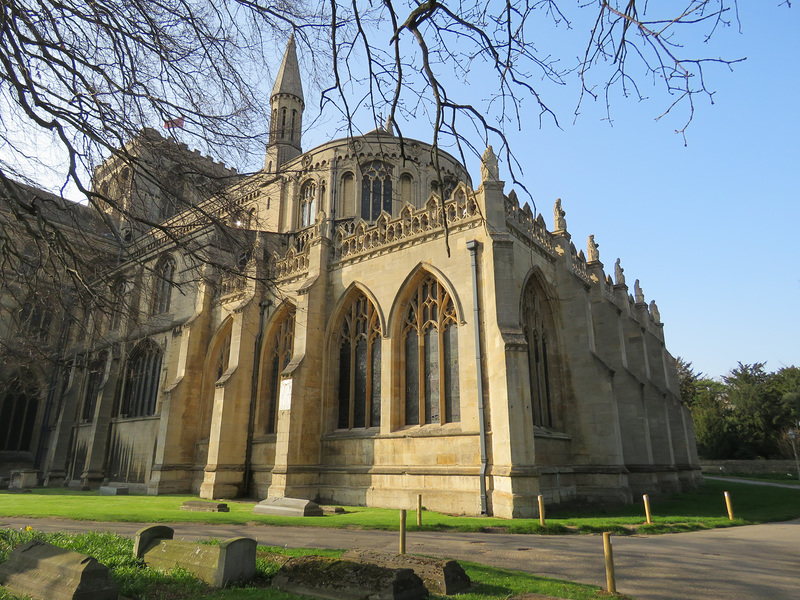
[530, 230]
[356, 240]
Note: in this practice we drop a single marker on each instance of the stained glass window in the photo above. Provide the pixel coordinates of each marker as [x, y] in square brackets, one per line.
[163, 282]
[280, 354]
[376, 190]
[430, 356]
[141, 380]
[359, 366]
[535, 328]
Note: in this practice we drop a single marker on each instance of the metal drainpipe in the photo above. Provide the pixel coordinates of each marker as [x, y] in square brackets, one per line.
[263, 305]
[472, 246]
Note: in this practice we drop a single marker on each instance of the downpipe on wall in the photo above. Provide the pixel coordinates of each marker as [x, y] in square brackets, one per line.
[472, 246]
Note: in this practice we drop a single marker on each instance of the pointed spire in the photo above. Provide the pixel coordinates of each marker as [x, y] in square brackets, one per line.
[288, 80]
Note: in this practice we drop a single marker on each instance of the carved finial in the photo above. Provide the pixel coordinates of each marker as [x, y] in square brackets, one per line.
[489, 169]
[388, 127]
[638, 293]
[558, 216]
[619, 273]
[592, 249]
[512, 197]
[654, 312]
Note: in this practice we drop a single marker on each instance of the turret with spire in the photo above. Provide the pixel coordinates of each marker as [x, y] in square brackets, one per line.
[287, 106]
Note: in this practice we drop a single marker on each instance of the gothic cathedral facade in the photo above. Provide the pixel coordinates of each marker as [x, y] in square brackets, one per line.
[366, 326]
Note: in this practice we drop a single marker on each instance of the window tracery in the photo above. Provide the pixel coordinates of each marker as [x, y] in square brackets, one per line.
[430, 383]
[376, 190]
[141, 380]
[536, 334]
[308, 204]
[279, 355]
[164, 281]
[359, 377]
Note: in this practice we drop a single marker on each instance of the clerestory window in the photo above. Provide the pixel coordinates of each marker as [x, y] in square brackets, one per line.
[376, 190]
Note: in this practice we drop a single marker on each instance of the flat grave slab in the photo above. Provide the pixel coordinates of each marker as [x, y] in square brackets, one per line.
[46, 572]
[290, 507]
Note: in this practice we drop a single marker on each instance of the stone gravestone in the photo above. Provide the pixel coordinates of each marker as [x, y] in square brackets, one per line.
[289, 507]
[444, 577]
[347, 580]
[47, 572]
[204, 506]
[218, 565]
[22, 480]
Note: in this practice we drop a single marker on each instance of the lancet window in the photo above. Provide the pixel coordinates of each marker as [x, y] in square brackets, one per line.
[430, 383]
[359, 387]
[94, 378]
[163, 283]
[280, 348]
[18, 406]
[308, 204]
[141, 380]
[117, 304]
[536, 334]
[376, 190]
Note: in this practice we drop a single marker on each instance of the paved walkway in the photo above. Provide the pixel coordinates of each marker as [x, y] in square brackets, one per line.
[757, 562]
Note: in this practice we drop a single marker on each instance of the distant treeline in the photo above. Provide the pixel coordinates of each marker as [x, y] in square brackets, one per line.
[748, 414]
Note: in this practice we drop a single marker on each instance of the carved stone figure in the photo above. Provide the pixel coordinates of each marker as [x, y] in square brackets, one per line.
[489, 168]
[592, 252]
[654, 312]
[558, 216]
[619, 273]
[638, 293]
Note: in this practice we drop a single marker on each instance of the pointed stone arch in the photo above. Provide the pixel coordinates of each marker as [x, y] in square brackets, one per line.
[537, 318]
[353, 360]
[276, 354]
[424, 322]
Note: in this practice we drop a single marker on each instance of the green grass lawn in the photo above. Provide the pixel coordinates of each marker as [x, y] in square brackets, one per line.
[701, 509]
[137, 581]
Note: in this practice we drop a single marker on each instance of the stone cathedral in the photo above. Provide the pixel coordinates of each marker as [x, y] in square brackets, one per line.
[358, 323]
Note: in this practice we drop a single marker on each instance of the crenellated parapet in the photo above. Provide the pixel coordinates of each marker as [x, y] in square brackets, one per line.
[356, 239]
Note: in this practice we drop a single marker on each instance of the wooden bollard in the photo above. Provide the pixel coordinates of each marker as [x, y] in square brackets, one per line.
[402, 531]
[419, 510]
[646, 499]
[728, 505]
[541, 510]
[611, 580]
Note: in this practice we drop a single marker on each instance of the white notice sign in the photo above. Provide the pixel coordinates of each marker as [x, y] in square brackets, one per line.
[285, 397]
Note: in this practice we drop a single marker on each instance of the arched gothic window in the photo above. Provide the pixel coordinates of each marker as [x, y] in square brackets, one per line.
[18, 405]
[280, 348]
[308, 204]
[223, 356]
[35, 319]
[348, 194]
[163, 283]
[141, 380]
[376, 190]
[406, 189]
[359, 388]
[94, 377]
[429, 351]
[117, 307]
[535, 327]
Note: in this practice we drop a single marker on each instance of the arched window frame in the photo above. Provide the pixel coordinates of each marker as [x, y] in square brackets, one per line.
[358, 346]
[117, 307]
[19, 404]
[308, 204]
[163, 282]
[538, 338]
[347, 187]
[429, 356]
[376, 189]
[278, 355]
[142, 378]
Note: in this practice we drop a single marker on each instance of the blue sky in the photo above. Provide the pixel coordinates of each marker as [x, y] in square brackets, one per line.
[710, 228]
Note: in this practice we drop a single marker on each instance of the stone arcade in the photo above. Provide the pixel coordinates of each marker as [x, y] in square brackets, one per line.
[391, 330]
